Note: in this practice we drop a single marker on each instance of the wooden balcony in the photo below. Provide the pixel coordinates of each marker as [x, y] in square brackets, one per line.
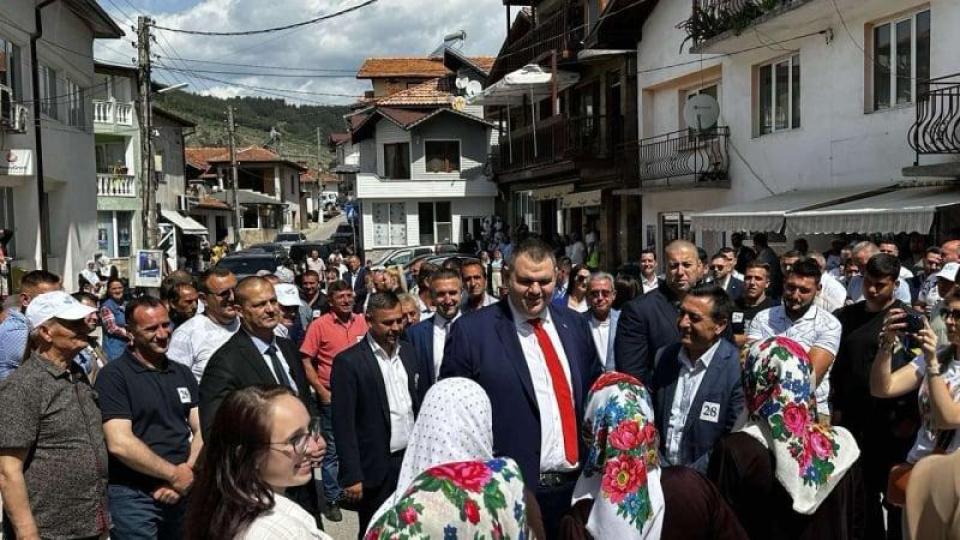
[558, 138]
[561, 31]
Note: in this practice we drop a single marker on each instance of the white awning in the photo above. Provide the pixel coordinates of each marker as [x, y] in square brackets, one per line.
[186, 224]
[582, 199]
[767, 214]
[552, 192]
[531, 80]
[902, 211]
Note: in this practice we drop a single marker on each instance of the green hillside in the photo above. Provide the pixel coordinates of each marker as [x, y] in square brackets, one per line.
[254, 116]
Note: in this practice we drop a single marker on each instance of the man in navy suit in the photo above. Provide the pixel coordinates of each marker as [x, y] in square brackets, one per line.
[721, 269]
[537, 363]
[601, 316]
[429, 336]
[697, 394]
[356, 276]
[649, 321]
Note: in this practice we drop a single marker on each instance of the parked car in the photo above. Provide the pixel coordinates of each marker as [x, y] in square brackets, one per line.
[403, 256]
[289, 238]
[439, 259]
[267, 247]
[245, 264]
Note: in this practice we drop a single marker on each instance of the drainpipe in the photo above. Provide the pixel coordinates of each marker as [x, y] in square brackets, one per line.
[35, 82]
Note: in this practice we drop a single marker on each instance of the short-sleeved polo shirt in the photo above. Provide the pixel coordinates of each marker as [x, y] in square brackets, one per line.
[327, 337]
[157, 402]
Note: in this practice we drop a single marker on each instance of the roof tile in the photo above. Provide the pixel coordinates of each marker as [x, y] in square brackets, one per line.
[389, 67]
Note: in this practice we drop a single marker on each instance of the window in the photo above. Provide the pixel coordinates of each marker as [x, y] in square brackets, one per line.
[9, 76]
[114, 233]
[389, 224]
[778, 85]
[250, 217]
[396, 161]
[74, 97]
[48, 92]
[7, 218]
[900, 60]
[526, 210]
[436, 222]
[442, 156]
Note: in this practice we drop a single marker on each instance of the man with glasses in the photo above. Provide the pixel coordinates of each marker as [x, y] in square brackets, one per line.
[152, 427]
[602, 317]
[194, 342]
[721, 270]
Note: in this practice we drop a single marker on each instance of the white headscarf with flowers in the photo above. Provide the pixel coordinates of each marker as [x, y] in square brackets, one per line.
[781, 413]
[621, 473]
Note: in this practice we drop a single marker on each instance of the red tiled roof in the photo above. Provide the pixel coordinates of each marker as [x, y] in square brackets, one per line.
[254, 154]
[399, 67]
[403, 117]
[339, 138]
[200, 156]
[433, 92]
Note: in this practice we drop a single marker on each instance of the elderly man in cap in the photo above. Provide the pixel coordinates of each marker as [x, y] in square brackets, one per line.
[53, 458]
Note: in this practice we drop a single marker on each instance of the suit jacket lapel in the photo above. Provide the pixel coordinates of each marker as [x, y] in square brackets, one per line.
[413, 377]
[507, 332]
[256, 359]
[710, 377]
[614, 319]
[376, 377]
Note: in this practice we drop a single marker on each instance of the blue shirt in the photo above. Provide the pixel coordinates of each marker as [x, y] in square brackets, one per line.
[14, 331]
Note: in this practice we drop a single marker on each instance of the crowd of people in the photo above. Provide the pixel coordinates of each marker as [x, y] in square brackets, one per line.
[523, 393]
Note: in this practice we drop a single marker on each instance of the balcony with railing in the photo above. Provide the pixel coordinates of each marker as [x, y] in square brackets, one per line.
[717, 26]
[936, 127]
[116, 185]
[685, 159]
[555, 139]
[561, 31]
[113, 113]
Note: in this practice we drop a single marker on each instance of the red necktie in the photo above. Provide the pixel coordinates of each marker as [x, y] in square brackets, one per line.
[561, 389]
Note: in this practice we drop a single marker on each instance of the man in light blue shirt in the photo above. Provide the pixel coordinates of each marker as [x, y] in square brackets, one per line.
[14, 328]
[861, 253]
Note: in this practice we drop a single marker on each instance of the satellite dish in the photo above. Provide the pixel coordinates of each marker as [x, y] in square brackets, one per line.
[462, 82]
[701, 112]
[474, 88]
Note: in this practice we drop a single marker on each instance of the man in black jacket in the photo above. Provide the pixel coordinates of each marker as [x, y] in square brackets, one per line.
[254, 355]
[377, 387]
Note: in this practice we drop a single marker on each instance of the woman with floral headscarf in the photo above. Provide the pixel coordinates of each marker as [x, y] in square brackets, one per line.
[622, 492]
[785, 475]
[450, 485]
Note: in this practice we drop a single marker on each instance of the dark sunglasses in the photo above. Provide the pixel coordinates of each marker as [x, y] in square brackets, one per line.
[947, 313]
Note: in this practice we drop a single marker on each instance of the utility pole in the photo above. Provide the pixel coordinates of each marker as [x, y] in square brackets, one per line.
[147, 178]
[320, 200]
[235, 184]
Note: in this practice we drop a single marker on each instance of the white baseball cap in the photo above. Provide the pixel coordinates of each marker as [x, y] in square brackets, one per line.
[284, 274]
[287, 295]
[949, 271]
[56, 305]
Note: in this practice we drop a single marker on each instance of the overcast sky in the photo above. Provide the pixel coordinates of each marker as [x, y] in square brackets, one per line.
[386, 28]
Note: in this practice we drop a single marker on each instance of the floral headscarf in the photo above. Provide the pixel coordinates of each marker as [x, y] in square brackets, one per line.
[810, 458]
[468, 499]
[621, 473]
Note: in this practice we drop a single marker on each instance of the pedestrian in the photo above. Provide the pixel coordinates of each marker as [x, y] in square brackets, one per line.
[743, 254]
[53, 458]
[602, 318]
[753, 301]
[14, 327]
[315, 302]
[576, 296]
[801, 320]
[697, 395]
[452, 437]
[649, 279]
[730, 255]
[260, 449]
[721, 273]
[90, 275]
[765, 254]
[92, 358]
[377, 386]
[926, 281]
[946, 281]
[356, 276]
[860, 254]
[476, 297]
[194, 342]
[521, 351]
[152, 427]
[411, 312]
[786, 475]
[648, 322]
[423, 297]
[182, 300]
[576, 250]
[315, 262]
[496, 266]
[393, 280]
[672, 503]
[833, 294]
[254, 356]
[328, 336]
[116, 337]
[291, 325]
[564, 269]
[429, 337]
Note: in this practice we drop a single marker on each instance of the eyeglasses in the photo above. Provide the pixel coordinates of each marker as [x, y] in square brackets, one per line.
[601, 293]
[717, 268]
[298, 442]
[947, 313]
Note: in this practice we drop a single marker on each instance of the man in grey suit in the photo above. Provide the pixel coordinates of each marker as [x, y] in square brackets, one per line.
[601, 316]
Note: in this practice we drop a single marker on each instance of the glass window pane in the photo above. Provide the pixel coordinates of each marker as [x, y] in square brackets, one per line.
[105, 233]
[881, 66]
[765, 87]
[124, 227]
[398, 224]
[444, 233]
[443, 211]
[425, 210]
[782, 95]
[904, 67]
[923, 50]
[795, 92]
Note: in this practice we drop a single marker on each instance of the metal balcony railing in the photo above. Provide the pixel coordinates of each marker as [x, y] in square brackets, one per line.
[580, 138]
[713, 17]
[684, 157]
[936, 128]
[116, 185]
[113, 112]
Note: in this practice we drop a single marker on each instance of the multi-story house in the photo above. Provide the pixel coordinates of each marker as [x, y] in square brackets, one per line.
[117, 148]
[564, 92]
[421, 175]
[836, 116]
[345, 165]
[64, 53]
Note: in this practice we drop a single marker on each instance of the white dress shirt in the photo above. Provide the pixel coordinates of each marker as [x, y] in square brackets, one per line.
[552, 455]
[398, 394]
[195, 341]
[650, 285]
[832, 295]
[262, 346]
[688, 384]
[441, 330]
[601, 337]
[816, 328]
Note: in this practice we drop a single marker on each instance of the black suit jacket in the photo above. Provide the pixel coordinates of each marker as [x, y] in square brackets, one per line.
[359, 288]
[735, 288]
[361, 412]
[238, 364]
[646, 324]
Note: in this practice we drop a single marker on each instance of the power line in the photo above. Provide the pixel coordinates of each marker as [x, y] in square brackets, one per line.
[250, 74]
[271, 30]
[281, 68]
[266, 89]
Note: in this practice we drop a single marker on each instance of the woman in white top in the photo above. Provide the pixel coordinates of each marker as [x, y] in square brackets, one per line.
[259, 445]
[935, 374]
[576, 297]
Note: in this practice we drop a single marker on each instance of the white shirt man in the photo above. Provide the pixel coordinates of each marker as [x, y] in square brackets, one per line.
[601, 337]
[398, 395]
[691, 375]
[195, 341]
[441, 329]
[552, 457]
[832, 295]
